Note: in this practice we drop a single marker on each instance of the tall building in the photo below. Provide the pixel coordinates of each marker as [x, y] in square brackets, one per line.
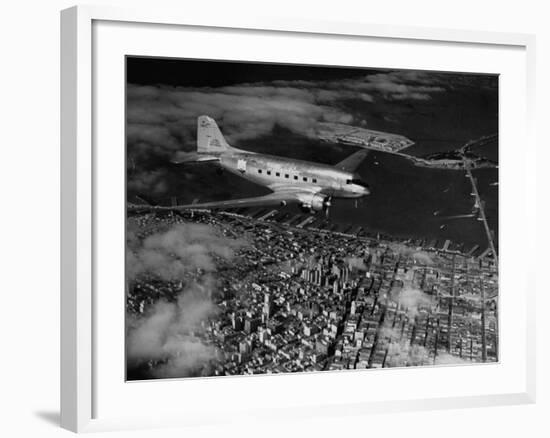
[321, 346]
[237, 322]
[263, 334]
[345, 274]
[244, 347]
[268, 306]
[251, 324]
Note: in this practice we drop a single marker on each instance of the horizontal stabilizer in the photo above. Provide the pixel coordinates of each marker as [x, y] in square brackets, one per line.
[194, 157]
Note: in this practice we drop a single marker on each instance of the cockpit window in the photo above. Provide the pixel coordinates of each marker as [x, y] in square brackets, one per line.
[357, 181]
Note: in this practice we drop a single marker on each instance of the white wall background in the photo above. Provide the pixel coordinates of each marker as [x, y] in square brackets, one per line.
[29, 219]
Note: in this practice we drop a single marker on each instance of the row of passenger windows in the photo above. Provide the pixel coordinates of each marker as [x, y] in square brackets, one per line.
[286, 175]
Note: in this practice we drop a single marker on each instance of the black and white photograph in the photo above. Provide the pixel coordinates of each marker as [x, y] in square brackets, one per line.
[287, 218]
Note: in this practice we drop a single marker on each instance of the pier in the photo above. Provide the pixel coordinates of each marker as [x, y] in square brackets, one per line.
[482, 214]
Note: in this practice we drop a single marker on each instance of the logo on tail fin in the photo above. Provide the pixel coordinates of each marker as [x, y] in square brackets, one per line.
[209, 136]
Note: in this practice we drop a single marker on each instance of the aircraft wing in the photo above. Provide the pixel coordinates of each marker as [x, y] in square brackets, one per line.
[276, 198]
[353, 161]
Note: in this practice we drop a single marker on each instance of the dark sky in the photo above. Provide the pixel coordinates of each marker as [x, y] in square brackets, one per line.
[196, 73]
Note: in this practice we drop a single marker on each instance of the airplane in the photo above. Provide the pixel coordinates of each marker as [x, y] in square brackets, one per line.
[311, 185]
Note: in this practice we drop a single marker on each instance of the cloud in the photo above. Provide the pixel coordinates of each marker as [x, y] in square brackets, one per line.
[388, 86]
[168, 335]
[191, 356]
[412, 300]
[444, 358]
[161, 120]
[469, 297]
[174, 253]
[409, 297]
[400, 351]
[356, 263]
[421, 257]
[402, 85]
[151, 182]
[165, 117]
[402, 354]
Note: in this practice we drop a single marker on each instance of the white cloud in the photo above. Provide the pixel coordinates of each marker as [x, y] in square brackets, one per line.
[168, 334]
[182, 249]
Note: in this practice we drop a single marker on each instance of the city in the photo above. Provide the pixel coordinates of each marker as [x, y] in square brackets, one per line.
[302, 295]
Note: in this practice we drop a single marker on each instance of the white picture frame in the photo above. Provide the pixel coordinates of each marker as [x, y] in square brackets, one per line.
[79, 200]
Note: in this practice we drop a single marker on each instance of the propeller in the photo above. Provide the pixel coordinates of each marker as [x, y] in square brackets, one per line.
[327, 205]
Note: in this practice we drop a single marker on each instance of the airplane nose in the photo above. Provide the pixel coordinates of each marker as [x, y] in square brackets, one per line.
[366, 190]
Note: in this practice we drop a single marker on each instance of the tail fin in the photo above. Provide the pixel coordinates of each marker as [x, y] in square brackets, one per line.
[209, 137]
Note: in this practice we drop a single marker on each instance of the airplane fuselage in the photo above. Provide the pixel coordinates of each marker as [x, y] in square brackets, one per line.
[273, 171]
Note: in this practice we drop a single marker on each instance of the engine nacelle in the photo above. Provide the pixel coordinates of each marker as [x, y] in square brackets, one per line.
[316, 203]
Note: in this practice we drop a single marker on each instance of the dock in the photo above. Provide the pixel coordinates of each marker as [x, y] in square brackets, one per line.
[482, 214]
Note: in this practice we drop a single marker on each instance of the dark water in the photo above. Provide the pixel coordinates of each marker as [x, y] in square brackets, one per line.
[404, 198]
